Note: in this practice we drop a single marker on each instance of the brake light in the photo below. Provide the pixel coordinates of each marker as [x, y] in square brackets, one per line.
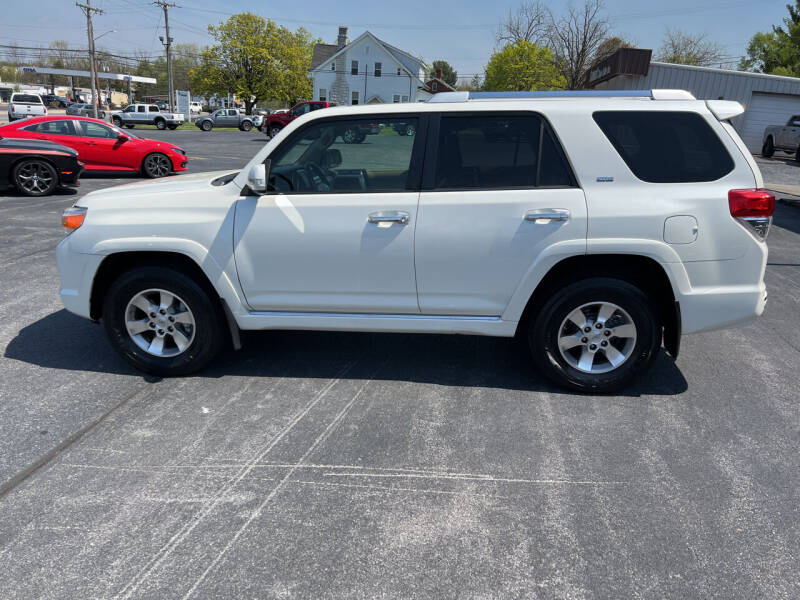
[73, 217]
[753, 208]
[45, 110]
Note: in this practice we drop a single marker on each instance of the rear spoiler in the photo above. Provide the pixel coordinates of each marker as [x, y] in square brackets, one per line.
[725, 109]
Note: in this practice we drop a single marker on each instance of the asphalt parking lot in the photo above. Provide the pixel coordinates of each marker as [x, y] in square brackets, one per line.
[331, 465]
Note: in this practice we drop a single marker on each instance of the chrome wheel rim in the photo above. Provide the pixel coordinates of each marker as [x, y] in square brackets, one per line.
[35, 177]
[410, 130]
[157, 165]
[349, 136]
[160, 323]
[597, 337]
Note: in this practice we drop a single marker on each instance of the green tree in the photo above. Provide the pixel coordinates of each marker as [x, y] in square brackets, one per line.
[776, 52]
[255, 59]
[522, 66]
[449, 75]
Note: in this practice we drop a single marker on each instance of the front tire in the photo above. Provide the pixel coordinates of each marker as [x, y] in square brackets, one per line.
[206, 126]
[351, 136]
[35, 177]
[161, 124]
[156, 165]
[768, 149]
[162, 322]
[595, 336]
[116, 121]
[273, 131]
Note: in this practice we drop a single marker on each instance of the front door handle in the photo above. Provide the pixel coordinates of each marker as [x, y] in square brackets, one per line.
[389, 217]
[541, 215]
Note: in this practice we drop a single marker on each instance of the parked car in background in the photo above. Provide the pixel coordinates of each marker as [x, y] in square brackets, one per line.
[102, 147]
[404, 128]
[23, 105]
[279, 119]
[228, 117]
[81, 109]
[36, 167]
[596, 228]
[195, 108]
[783, 138]
[54, 101]
[146, 114]
[161, 104]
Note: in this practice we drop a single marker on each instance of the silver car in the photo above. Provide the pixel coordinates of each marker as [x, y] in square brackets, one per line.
[84, 110]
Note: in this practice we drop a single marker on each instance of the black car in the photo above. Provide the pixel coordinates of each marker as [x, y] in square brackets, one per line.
[37, 167]
[55, 101]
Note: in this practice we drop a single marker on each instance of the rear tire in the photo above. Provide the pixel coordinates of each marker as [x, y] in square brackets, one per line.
[161, 124]
[246, 126]
[768, 149]
[616, 349]
[188, 309]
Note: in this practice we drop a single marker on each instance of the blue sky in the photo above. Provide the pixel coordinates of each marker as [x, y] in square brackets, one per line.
[460, 31]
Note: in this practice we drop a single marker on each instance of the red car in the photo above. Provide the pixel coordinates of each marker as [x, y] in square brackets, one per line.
[276, 121]
[100, 146]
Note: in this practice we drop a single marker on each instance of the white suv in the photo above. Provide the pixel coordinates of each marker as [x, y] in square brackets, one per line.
[597, 225]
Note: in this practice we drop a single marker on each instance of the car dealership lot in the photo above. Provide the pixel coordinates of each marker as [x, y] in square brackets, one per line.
[365, 465]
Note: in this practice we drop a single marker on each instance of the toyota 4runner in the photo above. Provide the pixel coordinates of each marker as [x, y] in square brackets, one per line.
[597, 225]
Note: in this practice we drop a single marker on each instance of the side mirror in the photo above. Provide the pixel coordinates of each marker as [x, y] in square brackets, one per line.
[257, 177]
[122, 137]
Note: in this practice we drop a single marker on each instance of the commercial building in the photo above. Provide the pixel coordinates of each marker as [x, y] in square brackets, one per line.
[768, 99]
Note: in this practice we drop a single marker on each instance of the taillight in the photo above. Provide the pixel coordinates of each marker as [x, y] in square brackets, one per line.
[753, 208]
[45, 110]
[73, 217]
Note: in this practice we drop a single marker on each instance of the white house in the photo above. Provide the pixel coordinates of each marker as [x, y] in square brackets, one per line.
[366, 71]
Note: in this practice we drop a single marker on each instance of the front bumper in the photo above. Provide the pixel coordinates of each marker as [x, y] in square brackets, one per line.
[76, 272]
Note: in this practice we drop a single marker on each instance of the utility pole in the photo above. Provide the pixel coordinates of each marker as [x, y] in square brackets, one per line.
[168, 45]
[88, 10]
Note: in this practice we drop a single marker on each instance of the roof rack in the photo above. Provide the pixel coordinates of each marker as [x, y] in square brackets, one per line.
[651, 94]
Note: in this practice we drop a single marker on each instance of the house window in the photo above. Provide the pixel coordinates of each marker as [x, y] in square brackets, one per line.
[403, 98]
[398, 70]
[354, 67]
[333, 66]
[396, 98]
[354, 99]
[434, 86]
[378, 67]
[323, 94]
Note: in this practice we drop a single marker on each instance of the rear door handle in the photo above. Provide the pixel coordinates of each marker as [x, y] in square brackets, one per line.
[540, 215]
[389, 217]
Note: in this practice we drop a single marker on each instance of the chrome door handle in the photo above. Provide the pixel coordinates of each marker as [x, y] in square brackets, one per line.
[547, 214]
[396, 217]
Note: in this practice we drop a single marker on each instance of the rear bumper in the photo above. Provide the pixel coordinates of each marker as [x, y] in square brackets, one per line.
[709, 309]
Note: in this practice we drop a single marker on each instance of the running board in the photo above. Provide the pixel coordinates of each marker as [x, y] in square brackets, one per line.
[469, 325]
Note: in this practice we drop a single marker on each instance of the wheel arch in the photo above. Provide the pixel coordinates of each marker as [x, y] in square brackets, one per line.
[114, 265]
[644, 272]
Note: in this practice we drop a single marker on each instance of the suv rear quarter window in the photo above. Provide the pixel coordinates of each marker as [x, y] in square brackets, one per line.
[666, 147]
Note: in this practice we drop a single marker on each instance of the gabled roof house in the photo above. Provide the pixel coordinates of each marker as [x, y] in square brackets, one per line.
[366, 71]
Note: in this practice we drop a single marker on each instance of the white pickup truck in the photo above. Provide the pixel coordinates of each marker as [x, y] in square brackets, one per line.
[146, 114]
[23, 105]
[785, 138]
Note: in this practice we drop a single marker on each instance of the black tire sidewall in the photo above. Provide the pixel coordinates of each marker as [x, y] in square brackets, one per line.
[145, 171]
[206, 126]
[769, 148]
[21, 190]
[545, 326]
[273, 131]
[161, 125]
[208, 336]
[247, 126]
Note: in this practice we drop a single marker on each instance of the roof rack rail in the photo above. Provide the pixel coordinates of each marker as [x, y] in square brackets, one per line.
[652, 94]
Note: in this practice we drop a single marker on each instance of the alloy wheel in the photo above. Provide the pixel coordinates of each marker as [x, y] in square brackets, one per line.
[157, 165]
[35, 177]
[597, 337]
[160, 323]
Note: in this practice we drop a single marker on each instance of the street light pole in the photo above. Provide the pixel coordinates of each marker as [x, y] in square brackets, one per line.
[88, 10]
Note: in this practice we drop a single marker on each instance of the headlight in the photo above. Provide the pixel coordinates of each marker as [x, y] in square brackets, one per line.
[179, 151]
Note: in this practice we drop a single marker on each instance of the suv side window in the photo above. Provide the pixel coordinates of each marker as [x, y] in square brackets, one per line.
[666, 147]
[153, 108]
[317, 160]
[140, 108]
[130, 109]
[498, 151]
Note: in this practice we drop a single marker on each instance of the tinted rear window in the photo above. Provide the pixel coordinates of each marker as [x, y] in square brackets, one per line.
[666, 147]
[26, 99]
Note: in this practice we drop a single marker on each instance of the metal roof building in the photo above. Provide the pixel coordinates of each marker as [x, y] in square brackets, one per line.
[768, 99]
